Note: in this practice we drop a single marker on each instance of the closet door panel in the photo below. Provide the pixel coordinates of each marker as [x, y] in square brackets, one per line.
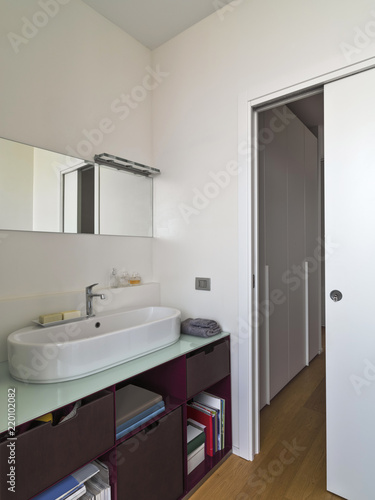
[263, 343]
[276, 255]
[296, 245]
[312, 242]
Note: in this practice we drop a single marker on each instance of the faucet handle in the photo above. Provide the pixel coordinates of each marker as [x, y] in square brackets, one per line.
[90, 287]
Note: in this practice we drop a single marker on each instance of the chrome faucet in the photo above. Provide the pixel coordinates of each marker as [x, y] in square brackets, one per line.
[89, 297]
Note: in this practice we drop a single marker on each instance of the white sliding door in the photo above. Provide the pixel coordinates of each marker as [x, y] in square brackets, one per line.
[350, 324]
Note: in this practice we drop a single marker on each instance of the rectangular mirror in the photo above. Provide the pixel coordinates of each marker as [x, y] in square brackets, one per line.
[45, 191]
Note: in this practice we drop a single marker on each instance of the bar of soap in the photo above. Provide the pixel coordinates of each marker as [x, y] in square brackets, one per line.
[50, 318]
[71, 314]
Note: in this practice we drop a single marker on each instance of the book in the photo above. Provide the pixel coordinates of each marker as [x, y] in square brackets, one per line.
[140, 416]
[196, 424]
[218, 404]
[195, 458]
[120, 434]
[216, 425]
[77, 493]
[98, 485]
[206, 419]
[195, 438]
[69, 485]
[59, 490]
[103, 470]
[132, 400]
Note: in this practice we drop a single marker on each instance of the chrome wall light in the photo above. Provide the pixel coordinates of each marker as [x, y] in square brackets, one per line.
[127, 165]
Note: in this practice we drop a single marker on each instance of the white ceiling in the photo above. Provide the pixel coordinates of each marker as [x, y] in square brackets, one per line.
[153, 22]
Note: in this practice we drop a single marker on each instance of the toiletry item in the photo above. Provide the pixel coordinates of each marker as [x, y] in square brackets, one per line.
[135, 279]
[113, 280]
[50, 318]
[124, 279]
[48, 417]
[70, 314]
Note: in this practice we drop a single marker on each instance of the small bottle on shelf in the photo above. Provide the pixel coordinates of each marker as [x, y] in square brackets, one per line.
[113, 279]
[124, 279]
[135, 279]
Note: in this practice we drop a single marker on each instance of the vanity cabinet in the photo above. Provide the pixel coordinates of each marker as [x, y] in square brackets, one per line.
[151, 461]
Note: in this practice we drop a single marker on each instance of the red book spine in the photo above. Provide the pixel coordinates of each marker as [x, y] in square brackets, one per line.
[206, 420]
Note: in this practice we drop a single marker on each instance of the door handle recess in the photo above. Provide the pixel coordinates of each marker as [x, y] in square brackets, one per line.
[336, 295]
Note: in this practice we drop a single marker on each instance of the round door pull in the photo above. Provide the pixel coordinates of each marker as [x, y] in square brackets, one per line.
[336, 295]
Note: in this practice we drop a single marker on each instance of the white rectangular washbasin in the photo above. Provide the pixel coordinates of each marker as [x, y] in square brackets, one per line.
[77, 349]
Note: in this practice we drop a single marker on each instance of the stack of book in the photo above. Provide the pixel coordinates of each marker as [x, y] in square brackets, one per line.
[86, 483]
[196, 438]
[97, 488]
[209, 410]
[134, 407]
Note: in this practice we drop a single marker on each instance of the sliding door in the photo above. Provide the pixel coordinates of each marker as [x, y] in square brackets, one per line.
[350, 276]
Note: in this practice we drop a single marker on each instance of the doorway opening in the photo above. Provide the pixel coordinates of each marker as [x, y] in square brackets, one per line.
[290, 202]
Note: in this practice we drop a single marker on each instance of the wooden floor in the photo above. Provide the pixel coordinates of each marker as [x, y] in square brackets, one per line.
[291, 464]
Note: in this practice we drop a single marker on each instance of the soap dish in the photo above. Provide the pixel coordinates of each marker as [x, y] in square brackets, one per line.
[61, 322]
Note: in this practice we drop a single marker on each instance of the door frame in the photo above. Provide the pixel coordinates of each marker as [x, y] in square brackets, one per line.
[248, 248]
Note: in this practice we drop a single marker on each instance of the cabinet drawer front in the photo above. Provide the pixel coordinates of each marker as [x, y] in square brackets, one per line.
[206, 367]
[150, 464]
[45, 454]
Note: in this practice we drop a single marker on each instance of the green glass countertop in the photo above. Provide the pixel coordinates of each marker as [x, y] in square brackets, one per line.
[34, 400]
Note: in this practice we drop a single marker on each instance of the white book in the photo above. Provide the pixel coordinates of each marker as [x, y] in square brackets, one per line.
[195, 458]
[87, 496]
[77, 493]
[103, 487]
[93, 489]
[196, 424]
[192, 432]
[85, 473]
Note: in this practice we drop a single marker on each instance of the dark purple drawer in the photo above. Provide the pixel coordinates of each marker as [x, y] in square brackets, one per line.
[47, 453]
[150, 464]
[207, 366]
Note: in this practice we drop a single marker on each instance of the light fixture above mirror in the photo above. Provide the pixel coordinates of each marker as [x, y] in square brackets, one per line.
[126, 165]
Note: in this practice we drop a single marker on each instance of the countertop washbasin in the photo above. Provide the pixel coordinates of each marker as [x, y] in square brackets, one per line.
[77, 349]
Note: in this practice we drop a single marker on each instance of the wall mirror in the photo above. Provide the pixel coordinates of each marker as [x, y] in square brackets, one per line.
[45, 191]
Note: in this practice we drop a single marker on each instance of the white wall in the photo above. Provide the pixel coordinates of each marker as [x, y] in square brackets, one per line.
[59, 84]
[258, 46]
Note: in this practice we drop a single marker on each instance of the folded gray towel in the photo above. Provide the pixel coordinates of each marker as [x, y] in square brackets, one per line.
[203, 323]
[196, 327]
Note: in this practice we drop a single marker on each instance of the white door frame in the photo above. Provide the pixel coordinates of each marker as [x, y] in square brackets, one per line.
[248, 342]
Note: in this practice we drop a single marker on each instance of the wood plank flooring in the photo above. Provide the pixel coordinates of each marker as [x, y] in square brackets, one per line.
[291, 464]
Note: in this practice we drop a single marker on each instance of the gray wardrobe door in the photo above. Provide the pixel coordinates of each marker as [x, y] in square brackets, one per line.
[276, 252]
[312, 241]
[296, 244]
[288, 231]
